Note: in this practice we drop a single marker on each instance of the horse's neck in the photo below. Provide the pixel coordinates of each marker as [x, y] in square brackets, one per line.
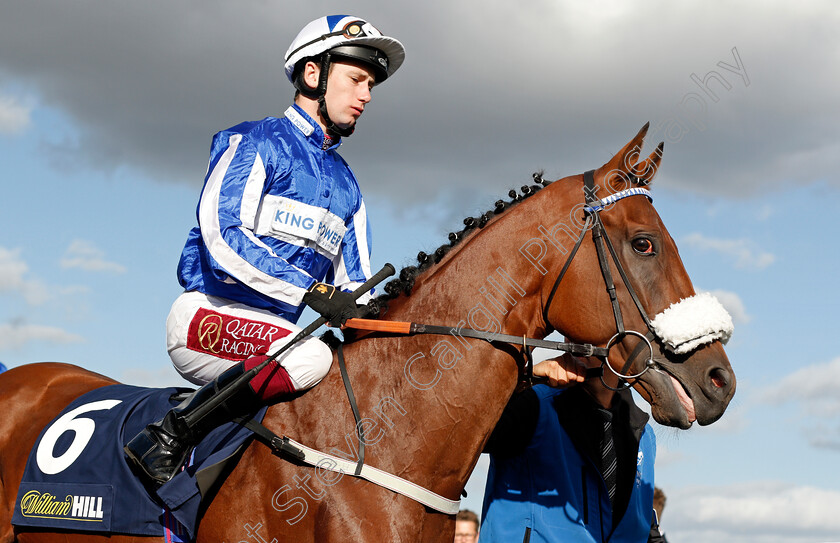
[447, 392]
[429, 403]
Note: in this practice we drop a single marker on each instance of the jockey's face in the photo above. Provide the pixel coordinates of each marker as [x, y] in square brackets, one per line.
[348, 91]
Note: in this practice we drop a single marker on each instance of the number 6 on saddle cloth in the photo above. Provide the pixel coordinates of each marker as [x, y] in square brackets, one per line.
[76, 477]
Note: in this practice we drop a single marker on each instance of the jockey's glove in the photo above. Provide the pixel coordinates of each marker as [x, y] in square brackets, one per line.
[335, 305]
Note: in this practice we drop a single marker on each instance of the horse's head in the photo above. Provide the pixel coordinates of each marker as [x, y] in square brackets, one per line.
[675, 351]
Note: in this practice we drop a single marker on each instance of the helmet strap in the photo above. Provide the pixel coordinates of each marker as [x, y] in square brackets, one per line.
[332, 128]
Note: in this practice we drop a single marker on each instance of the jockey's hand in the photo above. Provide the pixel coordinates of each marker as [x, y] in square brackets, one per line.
[336, 305]
[561, 372]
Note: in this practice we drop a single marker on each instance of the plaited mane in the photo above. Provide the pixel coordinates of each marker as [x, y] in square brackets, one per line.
[408, 275]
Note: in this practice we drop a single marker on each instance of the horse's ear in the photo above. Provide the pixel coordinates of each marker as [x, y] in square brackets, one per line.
[644, 172]
[626, 166]
[629, 154]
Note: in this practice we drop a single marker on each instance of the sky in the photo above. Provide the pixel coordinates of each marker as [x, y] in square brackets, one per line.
[107, 110]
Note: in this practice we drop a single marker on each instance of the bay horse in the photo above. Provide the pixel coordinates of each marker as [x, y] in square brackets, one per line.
[429, 403]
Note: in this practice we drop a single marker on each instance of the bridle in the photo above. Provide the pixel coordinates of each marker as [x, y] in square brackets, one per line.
[660, 330]
[592, 211]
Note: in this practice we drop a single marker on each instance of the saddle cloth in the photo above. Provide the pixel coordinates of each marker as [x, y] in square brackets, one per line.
[77, 477]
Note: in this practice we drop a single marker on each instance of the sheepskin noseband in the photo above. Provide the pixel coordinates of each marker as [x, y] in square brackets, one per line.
[693, 322]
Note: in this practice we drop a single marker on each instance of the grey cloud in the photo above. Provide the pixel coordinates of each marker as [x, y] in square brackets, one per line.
[486, 96]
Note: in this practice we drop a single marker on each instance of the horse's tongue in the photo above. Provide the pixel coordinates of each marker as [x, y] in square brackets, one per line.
[686, 402]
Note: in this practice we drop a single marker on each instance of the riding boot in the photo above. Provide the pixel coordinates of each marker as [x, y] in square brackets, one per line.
[162, 447]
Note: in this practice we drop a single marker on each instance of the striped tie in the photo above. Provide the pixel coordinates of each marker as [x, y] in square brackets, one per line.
[609, 462]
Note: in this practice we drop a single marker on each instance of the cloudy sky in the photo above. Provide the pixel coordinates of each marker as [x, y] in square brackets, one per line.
[107, 110]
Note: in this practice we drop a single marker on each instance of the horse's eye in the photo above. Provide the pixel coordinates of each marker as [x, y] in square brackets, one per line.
[643, 246]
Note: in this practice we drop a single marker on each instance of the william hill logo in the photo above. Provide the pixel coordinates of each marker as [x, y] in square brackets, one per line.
[45, 505]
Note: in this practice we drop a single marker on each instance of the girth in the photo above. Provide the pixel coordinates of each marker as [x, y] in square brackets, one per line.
[313, 457]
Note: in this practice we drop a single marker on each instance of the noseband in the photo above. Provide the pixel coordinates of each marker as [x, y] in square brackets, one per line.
[592, 211]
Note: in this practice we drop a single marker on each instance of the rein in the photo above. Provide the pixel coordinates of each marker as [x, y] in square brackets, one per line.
[413, 328]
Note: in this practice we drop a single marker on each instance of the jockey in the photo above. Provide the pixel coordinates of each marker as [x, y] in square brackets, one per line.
[281, 225]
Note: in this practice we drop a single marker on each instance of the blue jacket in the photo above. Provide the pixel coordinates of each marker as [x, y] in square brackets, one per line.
[552, 493]
[277, 213]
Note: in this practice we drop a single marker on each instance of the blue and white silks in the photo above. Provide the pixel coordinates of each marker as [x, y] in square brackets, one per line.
[277, 213]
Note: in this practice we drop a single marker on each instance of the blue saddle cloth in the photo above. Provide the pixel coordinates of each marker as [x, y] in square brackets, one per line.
[77, 477]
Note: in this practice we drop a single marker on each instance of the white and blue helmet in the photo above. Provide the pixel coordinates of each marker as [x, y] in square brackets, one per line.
[347, 37]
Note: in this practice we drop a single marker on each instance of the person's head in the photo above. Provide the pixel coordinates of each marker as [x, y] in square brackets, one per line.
[659, 500]
[334, 62]
[466, 526]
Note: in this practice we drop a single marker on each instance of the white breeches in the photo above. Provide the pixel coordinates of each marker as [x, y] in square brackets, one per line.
[206, 335]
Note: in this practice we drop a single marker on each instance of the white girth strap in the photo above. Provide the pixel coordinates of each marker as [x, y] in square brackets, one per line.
[693, 322]
[379, 477]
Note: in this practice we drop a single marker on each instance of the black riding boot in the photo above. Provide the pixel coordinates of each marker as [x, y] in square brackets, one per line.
[163, 446]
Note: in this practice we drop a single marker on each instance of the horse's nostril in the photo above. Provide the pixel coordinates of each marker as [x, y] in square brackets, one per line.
[719, 377]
